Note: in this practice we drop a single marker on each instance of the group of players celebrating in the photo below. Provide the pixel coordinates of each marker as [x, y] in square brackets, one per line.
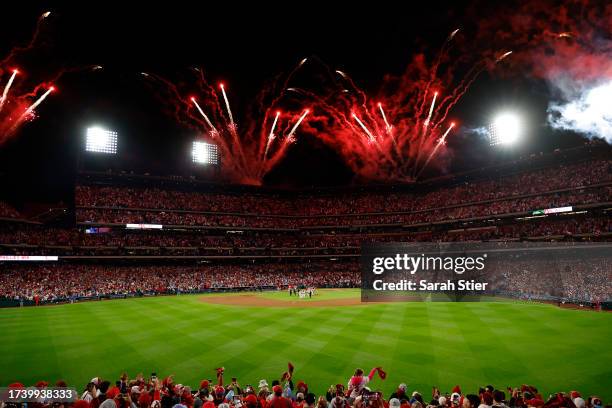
[302, 291]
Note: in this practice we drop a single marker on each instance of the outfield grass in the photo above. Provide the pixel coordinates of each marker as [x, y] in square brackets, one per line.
[422, 344]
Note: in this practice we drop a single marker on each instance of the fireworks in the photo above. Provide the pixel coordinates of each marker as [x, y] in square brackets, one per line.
[271, 135]
[208, 122]
[29, 112]
[568, 46]
[419, 102]
[345, 120]
[431, 108]
[365, 129]
[441, 142]
[404, 133]
[16, 106]
[249, 151]
[297, 125]
[382, 113]
[503, 56]
[39, 101]
[227, 105]
[7, 88]
[16, 110]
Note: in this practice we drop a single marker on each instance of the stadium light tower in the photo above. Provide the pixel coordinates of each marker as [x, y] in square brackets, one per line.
[506, 129]
[99, 140]
[204, 153]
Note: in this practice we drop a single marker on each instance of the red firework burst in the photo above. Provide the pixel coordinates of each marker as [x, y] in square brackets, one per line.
[249, 150]
[16, 105]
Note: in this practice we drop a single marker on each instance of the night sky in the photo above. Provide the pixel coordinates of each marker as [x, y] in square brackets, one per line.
[245, 46]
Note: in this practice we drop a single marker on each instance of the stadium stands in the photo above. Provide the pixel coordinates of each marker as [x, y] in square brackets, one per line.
[60, 283]
[241, 224]
[217, 240]
[54, 283]
[541, 182]
[6, 211]
[154, 392]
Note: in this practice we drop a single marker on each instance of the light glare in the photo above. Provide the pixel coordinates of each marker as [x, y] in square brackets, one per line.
[100, 140]
[506, 128]
[204, 153]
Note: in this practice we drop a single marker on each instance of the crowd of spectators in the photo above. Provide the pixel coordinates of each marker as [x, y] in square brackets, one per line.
[466, 211]
[583, 276]
[536, 182]
[286, 392]
[18, 239]
[551, 273]
[7, 211]
[53, 283]
[311, 218]
[577, 279]
[301, 225]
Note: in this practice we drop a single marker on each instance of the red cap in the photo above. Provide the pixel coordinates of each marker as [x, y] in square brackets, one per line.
[250, 399]
[112, 392]
[81, 404]
[204, 384]
[16, 385]
[277, 389]
[457, 389]
[219, 389]
[41, 384]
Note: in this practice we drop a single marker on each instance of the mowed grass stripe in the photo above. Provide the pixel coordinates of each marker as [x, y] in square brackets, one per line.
[456, 359]
[558, 333]
[262, 335]
[420, 356]
[337, 359]
[509, 362]
[253, 342]
[297, 347]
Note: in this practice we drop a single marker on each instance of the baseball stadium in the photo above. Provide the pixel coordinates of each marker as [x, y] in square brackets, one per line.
[179, 230]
